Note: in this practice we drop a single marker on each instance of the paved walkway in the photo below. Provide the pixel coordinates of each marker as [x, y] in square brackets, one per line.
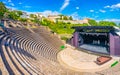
[80, 61]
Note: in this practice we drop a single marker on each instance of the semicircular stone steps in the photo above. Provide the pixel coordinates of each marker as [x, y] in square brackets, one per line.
[44, 48]
[20, 55]
[12, 63]
[3, 67]
[55, 41]
[44, 62]
[12, 67]
[30, 53]
[24, 42]
[10, 49]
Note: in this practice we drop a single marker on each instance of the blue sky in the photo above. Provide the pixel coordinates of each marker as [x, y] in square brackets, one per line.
[79, 9]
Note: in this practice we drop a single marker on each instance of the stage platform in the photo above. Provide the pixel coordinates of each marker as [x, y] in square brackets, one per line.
[95, 48]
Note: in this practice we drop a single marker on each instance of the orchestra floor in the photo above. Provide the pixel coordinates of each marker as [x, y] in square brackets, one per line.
[95, 48]
[81, 61]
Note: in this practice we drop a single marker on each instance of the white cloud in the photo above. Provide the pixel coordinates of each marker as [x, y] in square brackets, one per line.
[27, 6]
[4, 2]
[48, 12]
[11, 4]
[75, 16]
[9, 1]
[65, 4]
[117, 21]
[107, 6]
[10, 7]
[77, 8]
[114, 20]
[19, 3]
[103, 11]
[91, 10]
[96, 16]
[115, 6]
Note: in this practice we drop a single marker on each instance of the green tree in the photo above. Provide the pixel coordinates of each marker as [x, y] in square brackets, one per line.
[19, 13]
[3, 9]
[84, 24]
[33, 16]
[112, 23]
[70, 18]
[65, 18]
[23, 19]
[15, 15]
[92, 22]
[106, 23]
[36, 21]
[119, 24]
[45, 22]
[6, 14]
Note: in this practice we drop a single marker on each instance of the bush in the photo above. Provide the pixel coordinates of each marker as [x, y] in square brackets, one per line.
[64, 38]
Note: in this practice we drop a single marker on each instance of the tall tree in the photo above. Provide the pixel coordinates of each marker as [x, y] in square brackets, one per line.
[65, 18]
[3, 9]
[119, 24]
[92, 22]
[70, 18]
[19, 13]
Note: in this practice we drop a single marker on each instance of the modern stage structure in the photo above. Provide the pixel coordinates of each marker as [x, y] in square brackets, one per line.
[100, 39]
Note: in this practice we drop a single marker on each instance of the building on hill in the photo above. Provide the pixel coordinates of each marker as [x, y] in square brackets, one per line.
[35, 15]
[39, 16]
[53, 17]
[25, 15]
[57, 18]
[75, 21]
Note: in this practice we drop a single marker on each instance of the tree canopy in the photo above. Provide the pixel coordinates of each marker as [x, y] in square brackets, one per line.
[92, 22]
[70, 18]
[119, 24]
[65, 18]
[15, 15]
[101, 23]
[106, 23]
[3, 9]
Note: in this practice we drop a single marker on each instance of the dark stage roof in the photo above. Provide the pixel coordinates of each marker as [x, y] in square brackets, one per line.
[93, 27]
[79, 28]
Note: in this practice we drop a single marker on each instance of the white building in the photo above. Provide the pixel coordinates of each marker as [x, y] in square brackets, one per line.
[75, 21]
[25, 15]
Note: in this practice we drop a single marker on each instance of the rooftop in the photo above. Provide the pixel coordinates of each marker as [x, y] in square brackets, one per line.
[117, 30]
[94, 29]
